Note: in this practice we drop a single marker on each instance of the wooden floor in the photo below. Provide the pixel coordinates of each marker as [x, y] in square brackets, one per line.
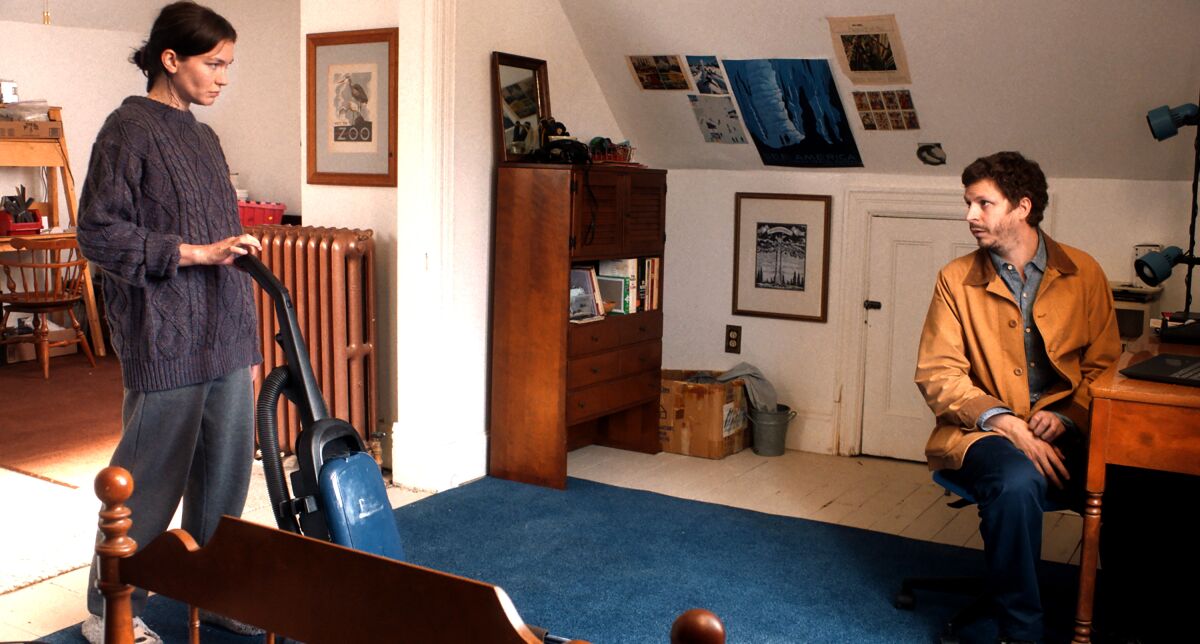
[875, 494]
[884, 495]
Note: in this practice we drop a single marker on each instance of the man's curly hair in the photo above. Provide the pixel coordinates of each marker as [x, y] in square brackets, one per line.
[1016, 177]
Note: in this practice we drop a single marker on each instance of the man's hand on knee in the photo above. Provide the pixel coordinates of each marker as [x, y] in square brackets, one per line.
[1047, 458]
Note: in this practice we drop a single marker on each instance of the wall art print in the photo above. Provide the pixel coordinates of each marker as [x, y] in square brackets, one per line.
[781, 255]
[793, 113]
[351, 107]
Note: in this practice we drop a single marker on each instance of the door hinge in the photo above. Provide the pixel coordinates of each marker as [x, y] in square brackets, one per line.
[872, 304]
[571, 242]
[574, 186]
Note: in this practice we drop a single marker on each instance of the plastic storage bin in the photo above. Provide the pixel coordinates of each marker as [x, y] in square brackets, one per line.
[254, 213]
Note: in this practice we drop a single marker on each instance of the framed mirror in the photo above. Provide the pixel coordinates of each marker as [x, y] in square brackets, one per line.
[521, 99]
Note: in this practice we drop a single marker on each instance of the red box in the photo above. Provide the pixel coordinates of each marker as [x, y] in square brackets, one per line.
[256, 212]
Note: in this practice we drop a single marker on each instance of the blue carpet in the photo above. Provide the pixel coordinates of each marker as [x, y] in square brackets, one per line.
[608, 564]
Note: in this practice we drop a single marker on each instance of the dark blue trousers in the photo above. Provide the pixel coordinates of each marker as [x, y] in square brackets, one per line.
[1012, 497]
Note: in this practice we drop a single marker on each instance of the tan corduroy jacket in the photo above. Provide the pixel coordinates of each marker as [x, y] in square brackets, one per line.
[972, 354]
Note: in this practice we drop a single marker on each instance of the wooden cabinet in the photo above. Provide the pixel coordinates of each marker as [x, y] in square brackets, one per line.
[556, 385]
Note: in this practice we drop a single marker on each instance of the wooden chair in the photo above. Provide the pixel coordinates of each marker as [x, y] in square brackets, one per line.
[309, 590]
[43, 276]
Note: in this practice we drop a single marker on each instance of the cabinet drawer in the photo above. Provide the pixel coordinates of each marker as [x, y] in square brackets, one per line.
[583, 339]
[640, 327]
[610, 396]
[592, 369]
[641, 357]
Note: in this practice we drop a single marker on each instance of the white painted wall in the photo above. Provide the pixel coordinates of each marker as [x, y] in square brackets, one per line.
[481, 27]
[371, 208]
[83, 71]
[256, 116]
[87, 73]
[810, 362]
[434, 241]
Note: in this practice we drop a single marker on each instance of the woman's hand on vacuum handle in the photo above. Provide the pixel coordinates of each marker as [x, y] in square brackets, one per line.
[217, 253]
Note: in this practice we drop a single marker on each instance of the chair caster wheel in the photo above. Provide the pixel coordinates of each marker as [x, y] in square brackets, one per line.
[904, 600]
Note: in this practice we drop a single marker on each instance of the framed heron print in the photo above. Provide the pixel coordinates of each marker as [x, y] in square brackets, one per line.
[781, 256]
[351, 107]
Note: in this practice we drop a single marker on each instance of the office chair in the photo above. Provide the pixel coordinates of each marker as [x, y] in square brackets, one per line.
[971, 586]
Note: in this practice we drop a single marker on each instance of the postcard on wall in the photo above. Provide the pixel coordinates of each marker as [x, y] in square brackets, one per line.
[886, 110]
[869, 50]
[355, 93]
[707, 75]
[659, 72]
[718, 119]
[794, 112]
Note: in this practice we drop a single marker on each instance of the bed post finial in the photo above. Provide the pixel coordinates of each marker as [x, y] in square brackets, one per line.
[114, 485]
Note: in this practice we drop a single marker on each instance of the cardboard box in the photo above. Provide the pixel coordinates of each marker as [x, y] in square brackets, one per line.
[706, 420]
[30, 129]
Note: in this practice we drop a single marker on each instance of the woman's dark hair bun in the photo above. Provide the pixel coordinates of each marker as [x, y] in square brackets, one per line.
[185, 27]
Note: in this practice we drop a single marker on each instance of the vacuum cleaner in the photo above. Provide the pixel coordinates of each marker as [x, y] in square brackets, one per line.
[337, 494]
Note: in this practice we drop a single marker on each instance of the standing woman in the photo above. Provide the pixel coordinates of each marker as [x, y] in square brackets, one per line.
[158, 215]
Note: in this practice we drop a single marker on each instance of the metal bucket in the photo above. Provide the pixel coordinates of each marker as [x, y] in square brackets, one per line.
[770, 429]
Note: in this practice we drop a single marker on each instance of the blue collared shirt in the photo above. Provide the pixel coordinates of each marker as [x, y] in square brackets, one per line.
[1039, 372]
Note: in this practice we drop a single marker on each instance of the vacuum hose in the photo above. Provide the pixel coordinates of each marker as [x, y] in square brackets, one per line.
[268, 443]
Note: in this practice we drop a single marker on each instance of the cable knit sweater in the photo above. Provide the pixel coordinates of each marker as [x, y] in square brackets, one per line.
[158, 178]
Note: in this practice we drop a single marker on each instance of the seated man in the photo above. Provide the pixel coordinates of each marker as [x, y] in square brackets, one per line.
[1015, 334]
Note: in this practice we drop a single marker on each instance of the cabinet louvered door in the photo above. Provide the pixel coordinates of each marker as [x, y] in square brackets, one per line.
[596, 214]
[645, 214]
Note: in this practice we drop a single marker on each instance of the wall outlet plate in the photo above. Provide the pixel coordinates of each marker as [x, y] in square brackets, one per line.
[733, 338]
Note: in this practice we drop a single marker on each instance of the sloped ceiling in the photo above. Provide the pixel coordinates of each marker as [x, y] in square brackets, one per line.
[1068, 82]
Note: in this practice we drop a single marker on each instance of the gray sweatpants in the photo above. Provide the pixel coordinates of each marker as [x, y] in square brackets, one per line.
[194, 443]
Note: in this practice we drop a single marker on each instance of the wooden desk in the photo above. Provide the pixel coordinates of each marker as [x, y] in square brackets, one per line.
[51, 153]
[89, 293]
[1137, 423]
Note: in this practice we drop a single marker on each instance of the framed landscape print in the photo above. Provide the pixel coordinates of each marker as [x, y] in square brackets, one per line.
[781, 256]
[351, 107]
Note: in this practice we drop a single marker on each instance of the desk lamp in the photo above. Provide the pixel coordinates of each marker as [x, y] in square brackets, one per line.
[1153, 268]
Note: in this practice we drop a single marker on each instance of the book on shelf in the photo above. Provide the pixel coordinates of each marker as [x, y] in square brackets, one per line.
[617, 290]
[627, 268]
[650, 276]
[583, 301]
[596, 289]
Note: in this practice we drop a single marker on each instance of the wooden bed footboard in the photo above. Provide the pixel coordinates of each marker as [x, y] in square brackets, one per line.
[306, 589]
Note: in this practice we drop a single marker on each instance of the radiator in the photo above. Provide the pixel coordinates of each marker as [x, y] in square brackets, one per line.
[331, 277]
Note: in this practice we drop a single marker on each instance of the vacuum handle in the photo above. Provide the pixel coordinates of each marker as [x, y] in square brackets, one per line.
[302, 384]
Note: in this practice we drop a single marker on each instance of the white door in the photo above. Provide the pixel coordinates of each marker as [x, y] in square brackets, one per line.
[906, 254]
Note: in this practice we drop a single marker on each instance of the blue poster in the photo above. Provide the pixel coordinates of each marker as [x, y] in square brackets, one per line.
[793, 113]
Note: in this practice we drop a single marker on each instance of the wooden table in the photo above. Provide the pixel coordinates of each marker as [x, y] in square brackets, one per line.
[89, 293]
[1137, 423]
